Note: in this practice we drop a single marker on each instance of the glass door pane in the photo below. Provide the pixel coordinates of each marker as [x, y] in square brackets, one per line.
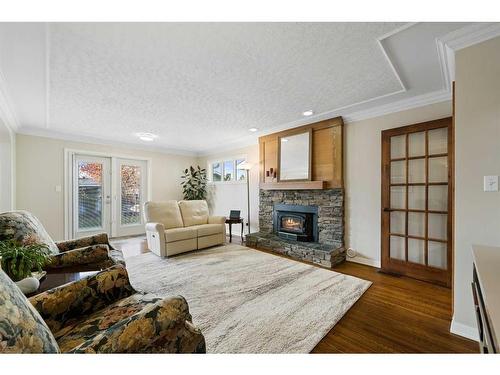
[398, 197]
[437, 254]
[438, 169]
[131, 189]
[398, 172]
[416, 251]
[438, 141]
[130, 212]
[398, 147]
[91, 195]
[416, 224]
[398, 222]
[397, 250]
[416, 197]
[438, 198]
[416, 173]
[416, 144]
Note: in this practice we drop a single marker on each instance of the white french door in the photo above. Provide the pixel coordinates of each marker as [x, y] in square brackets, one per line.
[107, 195]
[91, 195]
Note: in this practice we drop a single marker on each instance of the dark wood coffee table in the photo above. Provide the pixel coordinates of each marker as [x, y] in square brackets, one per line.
[58, 278]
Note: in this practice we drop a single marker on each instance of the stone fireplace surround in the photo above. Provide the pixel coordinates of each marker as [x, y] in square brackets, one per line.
[329, 250]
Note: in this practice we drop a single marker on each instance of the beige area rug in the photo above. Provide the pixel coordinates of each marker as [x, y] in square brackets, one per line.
[247, 301]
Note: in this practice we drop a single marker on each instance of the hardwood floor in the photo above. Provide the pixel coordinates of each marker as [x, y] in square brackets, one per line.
[395, 315]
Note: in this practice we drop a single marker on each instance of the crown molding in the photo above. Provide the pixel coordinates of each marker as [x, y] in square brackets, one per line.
[459, 39]
[473, 34]
[46, 133]
[398, 106]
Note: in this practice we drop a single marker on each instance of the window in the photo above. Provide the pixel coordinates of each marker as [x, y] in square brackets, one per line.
[240, 173]
[216, 172]
[227, 170]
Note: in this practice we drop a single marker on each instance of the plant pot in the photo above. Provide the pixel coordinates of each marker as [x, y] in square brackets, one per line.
[28, 285]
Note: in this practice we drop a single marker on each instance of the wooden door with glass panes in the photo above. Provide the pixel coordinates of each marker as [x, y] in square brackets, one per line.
[417, 201]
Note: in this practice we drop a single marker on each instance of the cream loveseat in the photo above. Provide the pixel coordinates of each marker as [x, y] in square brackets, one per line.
[177, 227]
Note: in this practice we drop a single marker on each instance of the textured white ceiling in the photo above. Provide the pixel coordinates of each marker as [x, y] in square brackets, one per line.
[201, 86]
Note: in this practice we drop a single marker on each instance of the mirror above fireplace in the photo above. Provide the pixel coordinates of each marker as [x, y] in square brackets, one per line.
[295, 157]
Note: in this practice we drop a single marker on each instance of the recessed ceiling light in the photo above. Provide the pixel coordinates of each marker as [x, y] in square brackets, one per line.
[147, 137]
[284, 139]
[309, 112]
[253, 130]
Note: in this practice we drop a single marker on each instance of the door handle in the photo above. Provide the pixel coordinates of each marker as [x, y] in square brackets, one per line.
[386, 209]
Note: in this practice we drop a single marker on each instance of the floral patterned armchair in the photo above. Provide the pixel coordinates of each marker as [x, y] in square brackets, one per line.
[98, 314]
[94, 252]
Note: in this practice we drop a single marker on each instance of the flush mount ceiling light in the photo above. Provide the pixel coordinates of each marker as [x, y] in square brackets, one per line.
[147, 137]
[253, 130]
[309, 112]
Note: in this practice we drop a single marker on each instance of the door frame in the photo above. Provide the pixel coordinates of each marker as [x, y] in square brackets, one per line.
[69, 155]
[410, 269]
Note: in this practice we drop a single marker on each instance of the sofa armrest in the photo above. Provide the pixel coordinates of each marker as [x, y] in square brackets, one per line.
[216, 220]
[96, 255]
[162, 327]
[155, 235]
[97, 239]
[155, 227]
[68, 302]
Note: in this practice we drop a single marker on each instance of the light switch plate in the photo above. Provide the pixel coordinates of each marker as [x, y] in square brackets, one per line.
[490, 183]
[58, 188]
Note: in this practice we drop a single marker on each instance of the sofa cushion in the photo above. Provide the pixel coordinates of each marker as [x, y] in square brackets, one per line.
[24, 227]
[194, 212]
[179, 234]
[167, 213]
[208, 229]
[22, 329]
[77, 332]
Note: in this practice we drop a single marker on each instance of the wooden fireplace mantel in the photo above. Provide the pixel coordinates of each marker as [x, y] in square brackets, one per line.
[294, 185]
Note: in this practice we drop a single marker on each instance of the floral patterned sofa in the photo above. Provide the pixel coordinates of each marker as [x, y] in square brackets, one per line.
[94, 252]
[98, 314]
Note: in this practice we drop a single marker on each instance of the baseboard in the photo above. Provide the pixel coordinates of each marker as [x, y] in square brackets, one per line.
[365, 261]
[464, 330]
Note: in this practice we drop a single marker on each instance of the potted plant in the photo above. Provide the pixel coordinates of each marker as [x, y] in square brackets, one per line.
[194, 184]
[18, 261]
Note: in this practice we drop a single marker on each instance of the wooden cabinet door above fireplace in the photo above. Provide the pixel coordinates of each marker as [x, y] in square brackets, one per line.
[325, 153]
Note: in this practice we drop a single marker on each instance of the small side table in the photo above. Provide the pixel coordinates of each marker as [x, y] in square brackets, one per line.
[53, 280]
[232, 221]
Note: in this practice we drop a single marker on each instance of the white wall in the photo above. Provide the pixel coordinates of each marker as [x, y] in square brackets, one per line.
[477, 145]
[224, 197]
[40, 167]
[363, 176]
[7, 160]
